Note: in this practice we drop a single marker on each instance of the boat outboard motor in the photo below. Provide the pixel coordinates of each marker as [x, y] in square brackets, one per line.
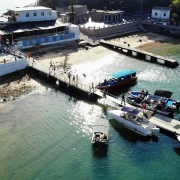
[177, 104]
[155, 131]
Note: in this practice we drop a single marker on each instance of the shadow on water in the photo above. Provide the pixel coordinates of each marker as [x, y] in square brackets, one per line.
[75, 96]
[124, 89]
[99, 152]
[177, 149]
[127, 134]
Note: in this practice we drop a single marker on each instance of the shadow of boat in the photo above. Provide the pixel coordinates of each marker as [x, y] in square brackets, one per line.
[100, 152]
[128, 134]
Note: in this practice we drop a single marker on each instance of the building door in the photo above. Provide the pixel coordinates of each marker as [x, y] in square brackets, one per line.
[106, 18]
[116, 18]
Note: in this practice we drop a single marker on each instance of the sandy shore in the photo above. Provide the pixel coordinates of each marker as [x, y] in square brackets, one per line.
[67, 57]
[141, 39]
[19, 84]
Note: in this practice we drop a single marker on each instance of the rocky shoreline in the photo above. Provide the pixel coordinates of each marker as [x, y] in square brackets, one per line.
[17, 84]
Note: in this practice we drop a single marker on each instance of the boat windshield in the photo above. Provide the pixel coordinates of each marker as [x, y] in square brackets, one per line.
[130, 110]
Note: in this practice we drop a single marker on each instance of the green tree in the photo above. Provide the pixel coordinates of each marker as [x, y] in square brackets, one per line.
[47, 3]
[175, 5]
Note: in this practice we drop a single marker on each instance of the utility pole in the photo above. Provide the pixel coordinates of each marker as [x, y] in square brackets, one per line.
[140, 9]
[110, 5]
[72, 11]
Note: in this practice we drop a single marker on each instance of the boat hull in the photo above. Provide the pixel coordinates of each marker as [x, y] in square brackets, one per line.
[152, 103]
[99, 144]
[135, 128]
[118, 85]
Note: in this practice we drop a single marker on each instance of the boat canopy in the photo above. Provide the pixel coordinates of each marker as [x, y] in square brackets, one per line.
[124, 73]
[130, 110]
[163, 93]
[101, 125]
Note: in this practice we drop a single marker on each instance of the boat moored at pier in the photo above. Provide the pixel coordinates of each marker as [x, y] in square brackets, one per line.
[154, 102]
[119, 79]
[133, 119]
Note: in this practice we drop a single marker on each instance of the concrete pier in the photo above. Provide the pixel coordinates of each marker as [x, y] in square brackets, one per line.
[140, 54]
[72, 86]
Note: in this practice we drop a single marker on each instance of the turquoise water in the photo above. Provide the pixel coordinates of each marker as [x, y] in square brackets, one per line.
[47, 134]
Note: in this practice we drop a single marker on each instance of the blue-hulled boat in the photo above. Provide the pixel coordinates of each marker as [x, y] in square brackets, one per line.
[119, 79]
[162, 105]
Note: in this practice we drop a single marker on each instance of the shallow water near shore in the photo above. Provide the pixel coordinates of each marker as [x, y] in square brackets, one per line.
[169, 50]
[47, 134]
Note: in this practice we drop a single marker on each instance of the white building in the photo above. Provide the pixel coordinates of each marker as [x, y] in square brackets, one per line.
[161, 13]
[44, 29]
[26, 14]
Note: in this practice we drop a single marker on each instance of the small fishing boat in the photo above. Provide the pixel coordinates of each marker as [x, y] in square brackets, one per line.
[100, 133]
[134, 120]
[161, 104]
[119, 79]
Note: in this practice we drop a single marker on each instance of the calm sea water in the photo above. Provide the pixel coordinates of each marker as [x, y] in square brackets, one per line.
[47, 134]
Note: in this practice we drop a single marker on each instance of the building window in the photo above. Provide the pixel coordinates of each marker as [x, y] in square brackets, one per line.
[164, 14]
[98, 16]
[42, 13]
[155, 14]
[34, 14]
[27, 14]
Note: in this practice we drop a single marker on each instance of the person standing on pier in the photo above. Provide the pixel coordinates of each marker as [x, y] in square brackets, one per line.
[33, 61]
[144, 107]
[123, 99]
[54, 68]
[73, 78]
[76, 78]
[69, 76]
[51, 64]
[92, 86]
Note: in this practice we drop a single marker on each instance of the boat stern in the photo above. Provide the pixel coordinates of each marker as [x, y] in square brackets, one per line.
[155, 131]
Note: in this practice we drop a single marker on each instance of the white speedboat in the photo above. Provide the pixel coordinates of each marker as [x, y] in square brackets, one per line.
[100, 133]
[133, 119]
